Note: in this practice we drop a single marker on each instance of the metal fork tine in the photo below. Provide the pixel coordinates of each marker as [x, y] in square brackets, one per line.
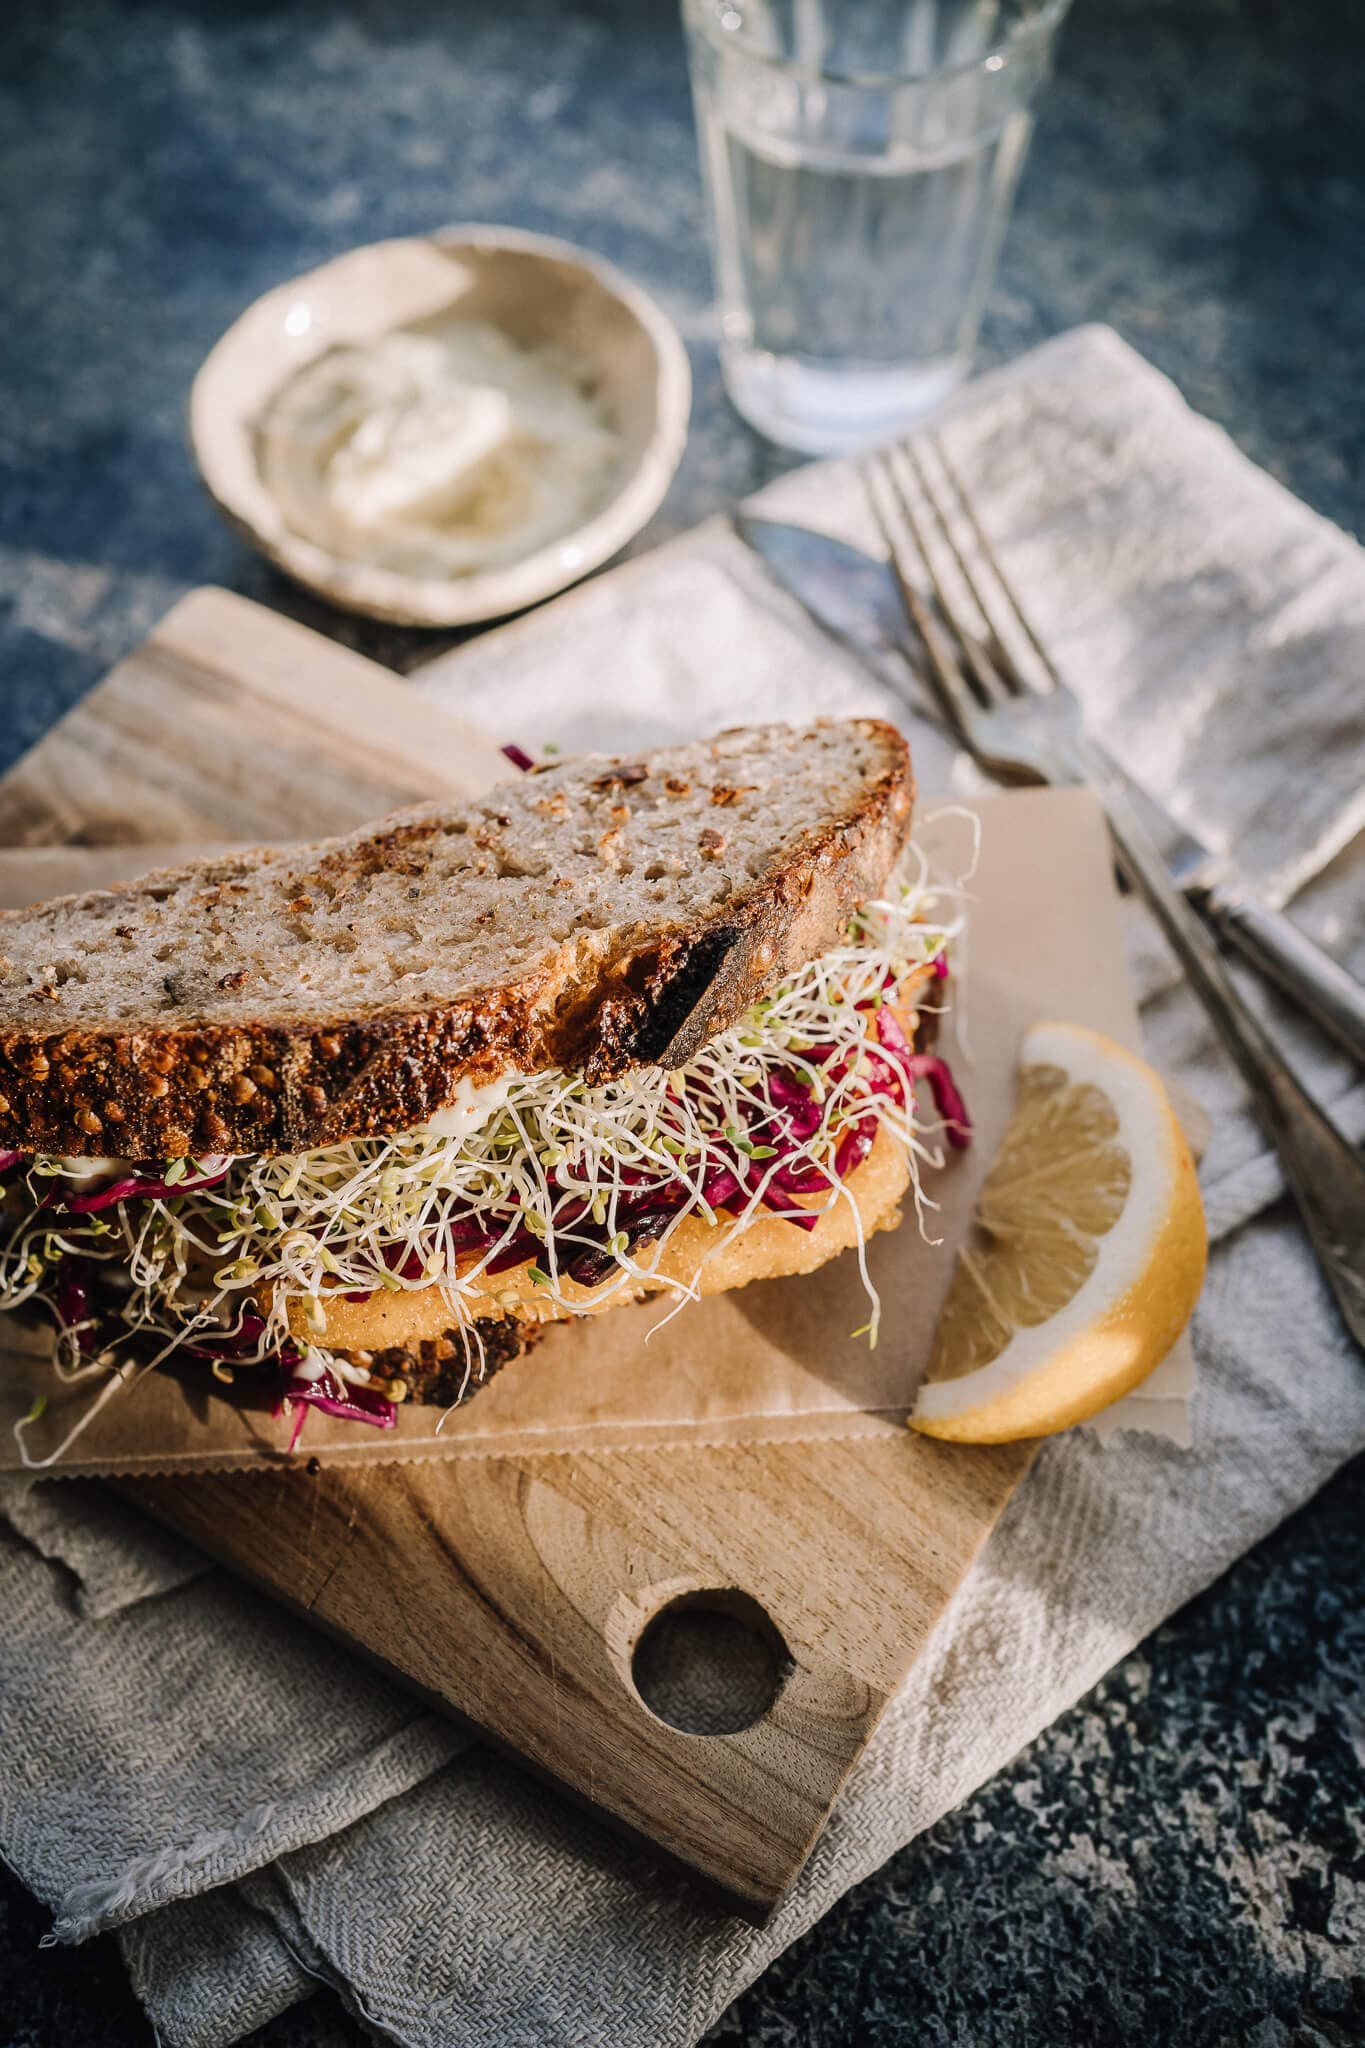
[995, 678]
[945, 674]
[993, 685]
[989, 555]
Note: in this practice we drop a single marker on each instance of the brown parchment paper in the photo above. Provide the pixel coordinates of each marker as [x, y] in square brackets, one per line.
[773, 1360]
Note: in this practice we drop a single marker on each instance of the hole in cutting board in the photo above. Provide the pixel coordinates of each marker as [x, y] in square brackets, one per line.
[710, 1662]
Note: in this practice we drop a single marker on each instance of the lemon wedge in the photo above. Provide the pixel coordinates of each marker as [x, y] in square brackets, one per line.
[1086, 1255]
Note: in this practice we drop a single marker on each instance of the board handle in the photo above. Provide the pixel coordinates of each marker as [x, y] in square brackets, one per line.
[708, 1660]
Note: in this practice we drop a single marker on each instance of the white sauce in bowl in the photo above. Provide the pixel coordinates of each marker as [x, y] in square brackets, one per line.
[437, 452]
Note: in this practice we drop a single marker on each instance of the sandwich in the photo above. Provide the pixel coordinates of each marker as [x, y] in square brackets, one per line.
[345, 1125]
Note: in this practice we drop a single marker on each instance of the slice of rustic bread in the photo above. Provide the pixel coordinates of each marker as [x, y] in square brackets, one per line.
[598, 914]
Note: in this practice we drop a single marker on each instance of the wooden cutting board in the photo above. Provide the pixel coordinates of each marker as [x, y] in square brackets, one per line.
[515, 1591]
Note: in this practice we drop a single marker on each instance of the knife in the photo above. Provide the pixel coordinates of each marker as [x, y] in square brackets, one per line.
[855, 598]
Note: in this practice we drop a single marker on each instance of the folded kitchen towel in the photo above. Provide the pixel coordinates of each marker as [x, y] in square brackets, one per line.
[254, 1811]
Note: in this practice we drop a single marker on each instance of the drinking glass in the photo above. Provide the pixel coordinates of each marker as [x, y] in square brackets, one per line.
[859, 158]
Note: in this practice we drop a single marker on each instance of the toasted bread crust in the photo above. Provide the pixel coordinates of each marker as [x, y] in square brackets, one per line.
[449, 1370]
[240, 1086]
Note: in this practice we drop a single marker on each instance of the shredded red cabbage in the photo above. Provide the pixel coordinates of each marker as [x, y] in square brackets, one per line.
[243, 1342]
[72, 1303]
[947, 1097]
[333, 1397]
[930, 1067]
[519, 757]
[102, 1198]
[145, 1184]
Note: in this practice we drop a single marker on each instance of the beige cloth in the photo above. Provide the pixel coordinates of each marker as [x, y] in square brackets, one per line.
[253, 1810]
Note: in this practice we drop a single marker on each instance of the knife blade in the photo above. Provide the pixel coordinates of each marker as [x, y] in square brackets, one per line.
[852, 595]
[855, 598]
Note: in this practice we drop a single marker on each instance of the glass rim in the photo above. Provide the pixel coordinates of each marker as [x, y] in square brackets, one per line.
[1040, 25]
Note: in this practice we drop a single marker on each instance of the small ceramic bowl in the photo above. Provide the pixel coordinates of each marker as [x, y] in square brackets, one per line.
[537, 290]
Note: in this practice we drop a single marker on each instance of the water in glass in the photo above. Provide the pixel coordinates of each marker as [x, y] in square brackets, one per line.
[855, 215]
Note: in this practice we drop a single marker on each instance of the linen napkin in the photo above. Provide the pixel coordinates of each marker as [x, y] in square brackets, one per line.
[255, 1811]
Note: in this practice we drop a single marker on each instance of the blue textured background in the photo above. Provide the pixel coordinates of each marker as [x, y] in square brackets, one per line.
[1182, 1859]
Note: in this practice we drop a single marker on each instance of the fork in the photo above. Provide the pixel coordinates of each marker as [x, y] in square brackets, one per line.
[1012, 729]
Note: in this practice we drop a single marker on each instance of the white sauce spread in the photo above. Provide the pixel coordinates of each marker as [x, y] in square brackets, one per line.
[437, 451]
[93, 1173]
[471, 1105]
